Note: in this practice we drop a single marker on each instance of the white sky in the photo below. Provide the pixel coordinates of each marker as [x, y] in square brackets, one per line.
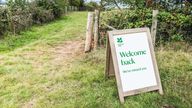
[85, 0]
[92, 0]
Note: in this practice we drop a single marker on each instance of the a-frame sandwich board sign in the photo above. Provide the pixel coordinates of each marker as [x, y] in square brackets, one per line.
[130, 57]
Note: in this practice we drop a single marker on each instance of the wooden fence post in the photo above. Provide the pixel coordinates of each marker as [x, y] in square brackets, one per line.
[89, 32]
[69, 9]
[96, 31]
[154, 26]
[65, 9]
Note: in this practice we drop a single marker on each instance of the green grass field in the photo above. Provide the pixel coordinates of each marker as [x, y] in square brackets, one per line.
[35, 73]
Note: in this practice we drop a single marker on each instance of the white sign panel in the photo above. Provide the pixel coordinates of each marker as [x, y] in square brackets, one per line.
[134, 60]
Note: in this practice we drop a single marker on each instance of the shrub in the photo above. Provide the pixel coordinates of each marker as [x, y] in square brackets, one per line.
[3, 20]
[15, 4]
[15, 17]
[20, 14]
[171, 26]
[20, 20]
[50, 5]
[40, 15]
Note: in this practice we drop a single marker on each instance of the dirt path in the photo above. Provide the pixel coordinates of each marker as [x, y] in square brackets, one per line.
[68, 49]
[59, 59]
[61, 54]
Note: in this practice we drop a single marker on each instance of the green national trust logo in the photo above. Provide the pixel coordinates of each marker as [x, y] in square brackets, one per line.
[120, 42]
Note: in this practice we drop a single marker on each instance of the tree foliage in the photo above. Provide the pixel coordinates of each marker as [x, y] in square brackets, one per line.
[168, 5]
[77, 3]
[91, 6]
[124, 3]
[171, 26]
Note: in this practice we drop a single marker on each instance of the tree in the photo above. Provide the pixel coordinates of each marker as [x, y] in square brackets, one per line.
[77, 3]
[92, 6]
[124, 3]
[111, 3]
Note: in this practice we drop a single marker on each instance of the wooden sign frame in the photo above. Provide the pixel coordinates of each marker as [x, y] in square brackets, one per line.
[112, 63]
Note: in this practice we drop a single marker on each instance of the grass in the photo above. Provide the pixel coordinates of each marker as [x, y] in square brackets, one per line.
[53, 32]
[31, 76]
[90, 89]
[28, 69]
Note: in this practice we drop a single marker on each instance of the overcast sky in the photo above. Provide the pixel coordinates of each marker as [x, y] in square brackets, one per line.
[85, 0]
[92, 0]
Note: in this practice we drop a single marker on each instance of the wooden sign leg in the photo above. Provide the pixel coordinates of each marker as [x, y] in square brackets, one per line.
[121, 98]
[107, 59]
[160, 87]
[109, 71]
[160, 91]
[111, 66]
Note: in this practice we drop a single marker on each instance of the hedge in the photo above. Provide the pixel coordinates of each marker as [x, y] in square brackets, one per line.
[20, 15]
[171, 26]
